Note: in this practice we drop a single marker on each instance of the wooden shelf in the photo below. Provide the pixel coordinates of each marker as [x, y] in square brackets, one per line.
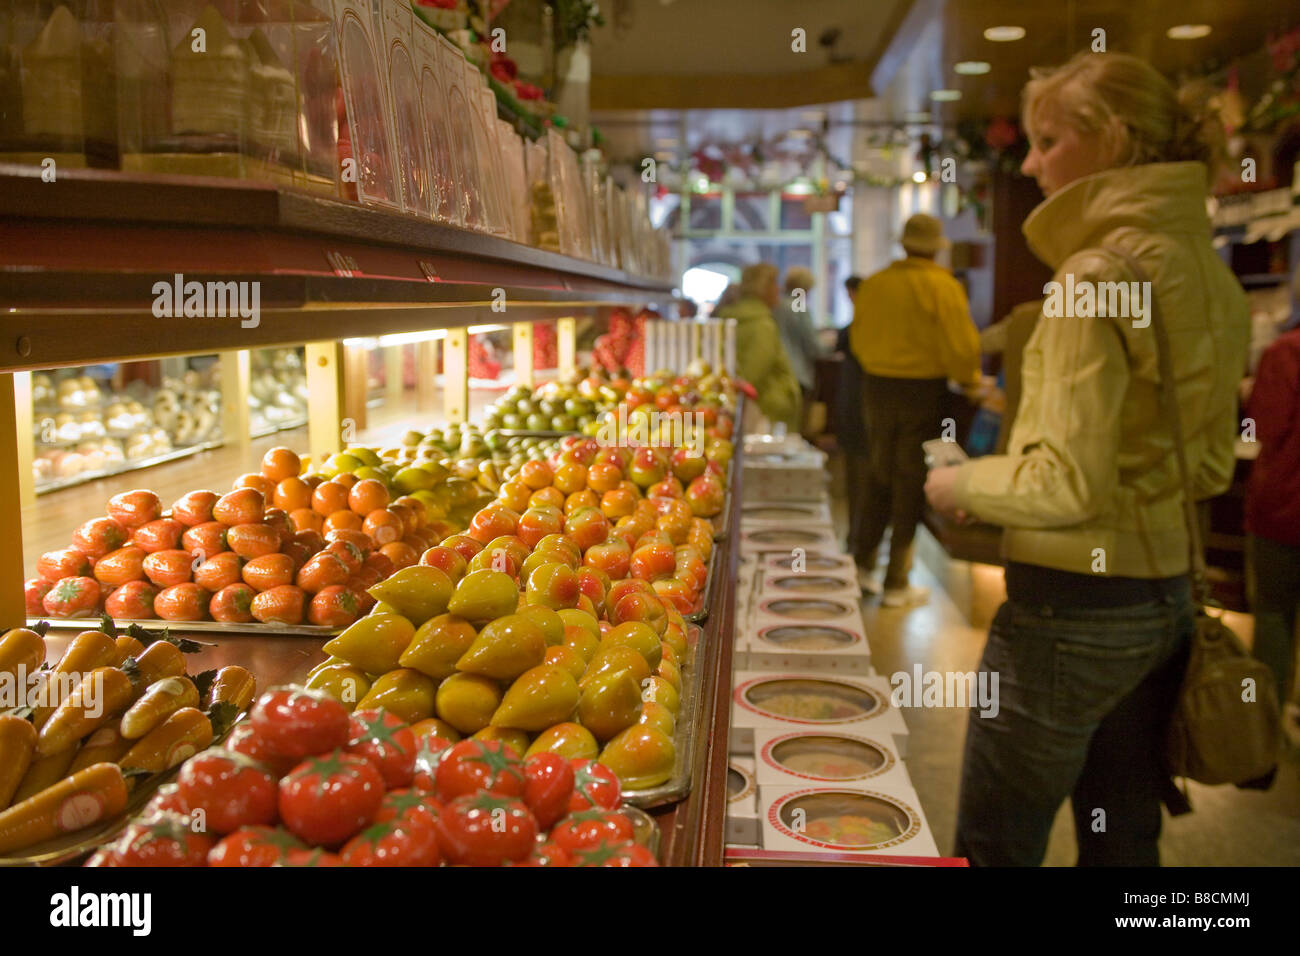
[79, 259]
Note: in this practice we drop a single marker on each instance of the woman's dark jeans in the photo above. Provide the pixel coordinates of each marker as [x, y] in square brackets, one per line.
[1085, 698]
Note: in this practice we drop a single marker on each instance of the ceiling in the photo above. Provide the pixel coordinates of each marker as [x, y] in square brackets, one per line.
[710, 62]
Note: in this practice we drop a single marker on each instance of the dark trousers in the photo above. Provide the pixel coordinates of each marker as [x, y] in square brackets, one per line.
[1274, 598]
[1084, 698]
[901, 413]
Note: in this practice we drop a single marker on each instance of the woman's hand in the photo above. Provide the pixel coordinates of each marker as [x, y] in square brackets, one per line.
[940, 488]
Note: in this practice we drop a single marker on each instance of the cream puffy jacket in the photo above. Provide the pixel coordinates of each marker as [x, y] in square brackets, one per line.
[1089, 482]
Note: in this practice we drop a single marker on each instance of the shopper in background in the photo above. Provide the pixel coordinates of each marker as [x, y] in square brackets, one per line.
[1091, 643]
[760, 358]
[794, 322]
[1273, 513]
[850, 426]
[911, 332]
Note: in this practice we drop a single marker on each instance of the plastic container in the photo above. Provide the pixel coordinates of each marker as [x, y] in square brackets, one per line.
[57, 89]
[460, 129]
[368, 156]
[245, 90]
[435, 104]
[393, 20]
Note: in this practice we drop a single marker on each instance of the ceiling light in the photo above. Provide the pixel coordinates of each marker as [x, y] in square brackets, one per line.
[945, 96]
[971, 67]
[1188, 31]
[919, 177]
[1004, 34]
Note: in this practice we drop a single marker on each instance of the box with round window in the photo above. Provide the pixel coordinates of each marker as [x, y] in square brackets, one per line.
[742, 802]
[809, 701]
[807, 646]
[800, 513]
[816, 758]
[845, 819]
[802, 583]
[784, 539]
[840, 610]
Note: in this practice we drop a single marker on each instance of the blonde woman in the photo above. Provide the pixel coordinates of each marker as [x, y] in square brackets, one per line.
[760, 357]
[1091, 643]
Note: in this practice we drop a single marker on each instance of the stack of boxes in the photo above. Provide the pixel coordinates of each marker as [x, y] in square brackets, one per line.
[817, 749]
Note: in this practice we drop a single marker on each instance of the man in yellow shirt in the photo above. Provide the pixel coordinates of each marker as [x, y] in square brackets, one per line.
[912, 332]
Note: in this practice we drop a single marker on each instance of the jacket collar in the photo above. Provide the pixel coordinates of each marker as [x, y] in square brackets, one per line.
[1165, 197]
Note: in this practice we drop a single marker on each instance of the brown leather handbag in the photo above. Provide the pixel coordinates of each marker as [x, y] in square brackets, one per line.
[1226, 726]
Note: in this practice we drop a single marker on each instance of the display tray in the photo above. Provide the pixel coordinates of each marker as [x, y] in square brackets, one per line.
[71, 847]
[269, 430]
[688, 718]
[253, 629]
[45, 487]
[701, 611]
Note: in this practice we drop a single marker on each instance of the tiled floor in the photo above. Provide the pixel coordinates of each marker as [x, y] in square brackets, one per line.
[1229, 827]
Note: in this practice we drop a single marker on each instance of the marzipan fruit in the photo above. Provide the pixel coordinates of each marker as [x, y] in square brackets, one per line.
[438, 645]
[505, 648]
[375, 643]
[540, 697]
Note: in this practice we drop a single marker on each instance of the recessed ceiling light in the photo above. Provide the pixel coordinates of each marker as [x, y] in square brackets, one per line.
[945, 96]
[1188, 31]
[1004, 34]
[971, 67]
[918, 177]
[918, 117]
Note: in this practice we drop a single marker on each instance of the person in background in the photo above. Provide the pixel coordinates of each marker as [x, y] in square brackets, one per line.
[1273, 514]
[850, 426]
[760, 359]
[911, 332]
[794, 322]
[1092, 641]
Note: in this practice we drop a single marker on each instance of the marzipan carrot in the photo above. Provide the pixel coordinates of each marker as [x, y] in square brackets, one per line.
[234, 684]
[44, 772]
[106, 745]
[160, 701]
[88, 650]
[127, 646]
[85, 798]
[101, 695]
[176, 739]
[160, 659]
[17, 746]
[21, 647]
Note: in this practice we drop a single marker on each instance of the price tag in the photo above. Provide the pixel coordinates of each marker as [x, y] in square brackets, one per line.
[342, 264]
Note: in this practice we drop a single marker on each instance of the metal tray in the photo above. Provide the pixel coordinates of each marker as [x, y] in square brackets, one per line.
[73, 847]
[254, 629]
[688, 718]
[701, 611]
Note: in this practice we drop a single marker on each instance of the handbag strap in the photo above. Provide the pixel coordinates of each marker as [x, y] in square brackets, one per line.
[1169, 408]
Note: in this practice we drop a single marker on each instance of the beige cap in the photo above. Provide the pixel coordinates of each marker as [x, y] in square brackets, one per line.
[923, 234]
